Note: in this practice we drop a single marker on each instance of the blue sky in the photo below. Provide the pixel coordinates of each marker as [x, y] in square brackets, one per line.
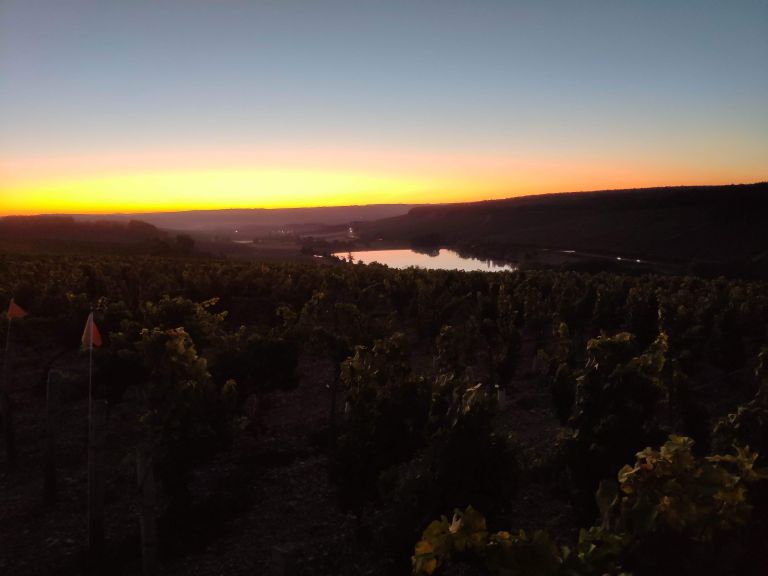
[672, 87]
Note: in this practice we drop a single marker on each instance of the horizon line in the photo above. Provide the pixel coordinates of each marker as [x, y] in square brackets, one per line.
[380, 204]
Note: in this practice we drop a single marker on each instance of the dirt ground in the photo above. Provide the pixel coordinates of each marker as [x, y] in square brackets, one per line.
[264, 507]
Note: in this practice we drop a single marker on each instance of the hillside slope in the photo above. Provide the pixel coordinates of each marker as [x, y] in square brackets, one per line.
[692, 223]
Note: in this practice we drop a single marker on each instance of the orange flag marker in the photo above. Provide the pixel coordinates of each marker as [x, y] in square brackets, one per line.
[15, 311]
[91, 334]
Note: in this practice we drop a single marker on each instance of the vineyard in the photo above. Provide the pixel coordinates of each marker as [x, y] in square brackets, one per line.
[335, 418]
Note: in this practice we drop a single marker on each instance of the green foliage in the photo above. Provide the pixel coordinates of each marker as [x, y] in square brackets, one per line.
[505, 355]
[442, 539]
[186, 416]
[120, 364]
[463, 460]
[666, 510]
[689, 511]
[556, 372]
[202, 324]
[641, 310]
[671, 491]
[467, 460]
[387, 410]
[417, 355]
[598, 552]
[258, 362]
[749, 424]
[466, 538]
[619, 395]
[456, 347]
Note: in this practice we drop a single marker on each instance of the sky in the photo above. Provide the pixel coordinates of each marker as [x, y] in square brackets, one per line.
[143, 105]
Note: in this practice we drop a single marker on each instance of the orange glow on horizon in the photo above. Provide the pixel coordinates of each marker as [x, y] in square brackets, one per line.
[219, 189]
[154, 182]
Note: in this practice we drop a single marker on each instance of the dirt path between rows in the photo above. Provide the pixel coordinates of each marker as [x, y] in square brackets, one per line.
[264, 507]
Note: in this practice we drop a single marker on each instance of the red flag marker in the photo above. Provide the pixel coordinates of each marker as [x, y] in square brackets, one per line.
[15, 311]
[91, 334]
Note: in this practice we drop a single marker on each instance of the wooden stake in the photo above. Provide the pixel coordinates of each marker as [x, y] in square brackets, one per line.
[53, 421]
[6, 408]
[146, 481]
[332, 415]
[283, 561]
[96, 485]
[501, 397]
[6, 411]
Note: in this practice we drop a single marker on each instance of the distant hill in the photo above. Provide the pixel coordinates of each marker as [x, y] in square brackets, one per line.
[703, 229]
[257, 221]
[65, 235]
[67, 228]
[690, 223]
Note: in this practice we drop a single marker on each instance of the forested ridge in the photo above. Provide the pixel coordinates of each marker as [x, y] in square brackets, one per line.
[350, 419]
[709, 228]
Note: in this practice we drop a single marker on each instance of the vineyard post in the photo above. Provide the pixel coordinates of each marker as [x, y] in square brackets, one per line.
[7, 414]
[89, 327]
[53, 420]
[96, 441]
[148, 495]
[333, 387]
[501, 396]
[283, 561]
[6, 409]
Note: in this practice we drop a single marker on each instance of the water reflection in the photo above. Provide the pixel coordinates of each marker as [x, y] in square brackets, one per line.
[442, 259]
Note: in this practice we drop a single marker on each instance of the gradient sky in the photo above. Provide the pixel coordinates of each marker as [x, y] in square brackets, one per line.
[132, 105]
